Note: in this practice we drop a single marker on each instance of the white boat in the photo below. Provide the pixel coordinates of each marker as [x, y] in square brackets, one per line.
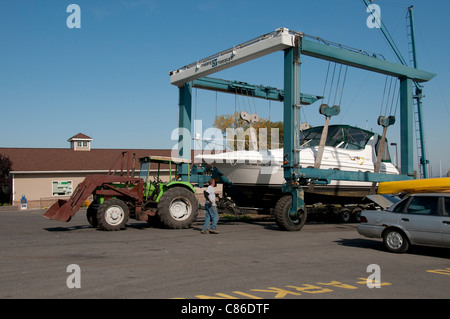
[256, 174]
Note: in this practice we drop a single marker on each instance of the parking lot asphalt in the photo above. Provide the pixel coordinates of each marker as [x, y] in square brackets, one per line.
[249, 259]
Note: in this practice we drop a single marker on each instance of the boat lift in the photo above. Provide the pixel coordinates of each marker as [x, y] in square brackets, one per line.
[295, 44]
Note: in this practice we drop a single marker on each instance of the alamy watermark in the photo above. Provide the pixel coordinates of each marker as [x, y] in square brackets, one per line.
[74, 19]
[374, 19]
[374, 279]
[74, 279]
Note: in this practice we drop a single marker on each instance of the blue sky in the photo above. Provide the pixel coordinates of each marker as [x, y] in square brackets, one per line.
[110, 78]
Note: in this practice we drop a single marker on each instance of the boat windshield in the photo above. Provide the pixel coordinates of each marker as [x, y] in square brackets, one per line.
[346, 137]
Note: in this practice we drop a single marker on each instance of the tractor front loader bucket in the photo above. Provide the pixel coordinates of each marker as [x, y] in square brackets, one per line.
[60, 211]
[64, 210]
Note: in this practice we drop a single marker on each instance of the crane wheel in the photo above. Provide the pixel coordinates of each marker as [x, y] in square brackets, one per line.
[283, 217]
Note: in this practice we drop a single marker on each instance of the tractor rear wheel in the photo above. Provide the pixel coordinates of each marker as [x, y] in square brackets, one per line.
[178, 208]
[113, 214]
[283, 217]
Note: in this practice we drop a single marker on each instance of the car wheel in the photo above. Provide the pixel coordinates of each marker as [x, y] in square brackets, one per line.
[395, 241]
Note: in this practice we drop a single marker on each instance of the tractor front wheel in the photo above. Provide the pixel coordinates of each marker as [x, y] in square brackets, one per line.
[178, 208]
[113, 214]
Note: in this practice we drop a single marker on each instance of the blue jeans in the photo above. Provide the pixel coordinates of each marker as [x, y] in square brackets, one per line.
[211, 216]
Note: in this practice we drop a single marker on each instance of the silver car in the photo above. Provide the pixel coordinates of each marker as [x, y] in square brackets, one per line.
[419, 219]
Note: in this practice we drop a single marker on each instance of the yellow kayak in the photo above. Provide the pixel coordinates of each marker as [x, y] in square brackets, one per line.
[428, 185]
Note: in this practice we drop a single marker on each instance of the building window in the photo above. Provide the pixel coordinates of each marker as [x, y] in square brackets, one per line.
[82, 144]
[62, 188]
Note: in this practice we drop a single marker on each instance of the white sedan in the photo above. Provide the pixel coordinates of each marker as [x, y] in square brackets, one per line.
[419, 219]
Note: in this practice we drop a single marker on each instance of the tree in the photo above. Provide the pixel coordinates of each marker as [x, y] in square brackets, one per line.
[264, 128]
[5, 178]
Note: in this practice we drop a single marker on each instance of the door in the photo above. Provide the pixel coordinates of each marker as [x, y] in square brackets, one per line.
[423, 221]
[446, 222]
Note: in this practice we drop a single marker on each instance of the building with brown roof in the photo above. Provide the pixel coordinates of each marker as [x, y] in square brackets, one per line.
[44, 175]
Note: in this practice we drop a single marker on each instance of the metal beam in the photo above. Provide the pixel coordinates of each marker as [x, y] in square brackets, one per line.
[362, 61]
[291, 113]
[184, 127]
[327, 175]
[251, 90]
[291, 127]
[423, 162]
[406, 127]
[244, 52]
[282, 39]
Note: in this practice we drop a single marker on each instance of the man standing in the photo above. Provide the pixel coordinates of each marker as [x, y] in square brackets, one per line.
[211, 209]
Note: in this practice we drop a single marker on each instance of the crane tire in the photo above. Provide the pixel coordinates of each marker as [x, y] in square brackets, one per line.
[283, 218]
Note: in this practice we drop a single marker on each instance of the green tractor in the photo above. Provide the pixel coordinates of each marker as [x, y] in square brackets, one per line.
[118, 197]
[174, 202]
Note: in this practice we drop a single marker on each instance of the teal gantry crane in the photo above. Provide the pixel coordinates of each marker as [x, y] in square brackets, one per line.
[295, 44]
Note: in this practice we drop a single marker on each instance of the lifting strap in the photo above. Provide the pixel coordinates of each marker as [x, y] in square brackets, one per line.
[328, 111]
[385, 122]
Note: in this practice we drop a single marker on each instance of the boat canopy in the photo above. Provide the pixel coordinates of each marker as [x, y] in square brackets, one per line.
[343, 137]
[339, 136]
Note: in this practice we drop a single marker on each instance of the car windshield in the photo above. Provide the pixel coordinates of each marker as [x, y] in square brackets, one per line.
[346, 137]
